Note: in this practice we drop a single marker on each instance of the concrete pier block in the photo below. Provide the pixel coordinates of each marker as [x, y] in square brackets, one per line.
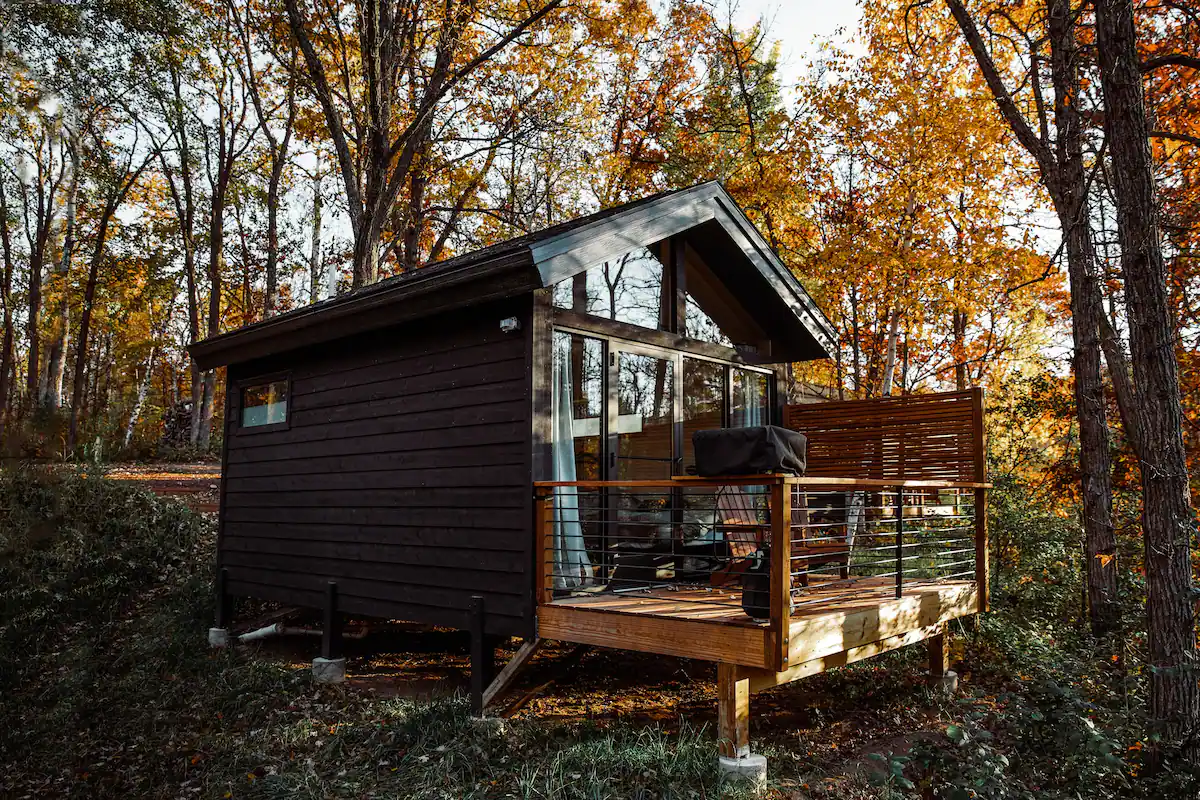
[946, 683]
[218, 637]
[329, 670]
[751, 768]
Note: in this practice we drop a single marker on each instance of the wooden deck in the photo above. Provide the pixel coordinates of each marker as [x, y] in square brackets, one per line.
[828, 620]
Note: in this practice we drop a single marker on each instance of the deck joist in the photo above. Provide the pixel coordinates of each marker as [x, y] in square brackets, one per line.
[831, 625]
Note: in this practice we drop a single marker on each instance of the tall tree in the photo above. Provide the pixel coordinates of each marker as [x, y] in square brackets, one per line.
[1167, 520]
[1060, 162]
[375, 136]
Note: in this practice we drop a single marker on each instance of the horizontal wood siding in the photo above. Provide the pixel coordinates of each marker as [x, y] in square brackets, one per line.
[403, 474]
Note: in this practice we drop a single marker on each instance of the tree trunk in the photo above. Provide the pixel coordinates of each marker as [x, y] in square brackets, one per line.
[140, 400]
[1167, 518]
[314, 254]
[889, 359]
[960, 349]
[6, 346]
[57, 360]
[1069, 193]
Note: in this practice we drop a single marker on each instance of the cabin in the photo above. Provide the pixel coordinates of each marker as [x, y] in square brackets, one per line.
[502, 443]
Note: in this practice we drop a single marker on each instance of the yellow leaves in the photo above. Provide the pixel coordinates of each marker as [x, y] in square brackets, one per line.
[1105, 559]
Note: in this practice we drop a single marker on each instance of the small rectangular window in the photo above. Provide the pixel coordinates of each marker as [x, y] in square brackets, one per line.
[264, 404]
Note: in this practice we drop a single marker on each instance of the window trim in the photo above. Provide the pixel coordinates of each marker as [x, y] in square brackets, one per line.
[259, 380]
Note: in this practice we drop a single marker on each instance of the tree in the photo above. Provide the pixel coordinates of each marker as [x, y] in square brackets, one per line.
[1167, 520]
[1060, 162]
[410, 56]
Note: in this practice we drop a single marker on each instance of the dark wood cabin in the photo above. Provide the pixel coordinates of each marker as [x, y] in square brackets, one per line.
[389, 439]
[501, 443]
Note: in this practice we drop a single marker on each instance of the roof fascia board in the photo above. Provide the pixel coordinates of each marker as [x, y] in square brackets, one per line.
[747, 238]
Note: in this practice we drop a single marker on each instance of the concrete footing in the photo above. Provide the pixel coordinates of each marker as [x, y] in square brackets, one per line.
[218, 637]
[946, 683]
[329, 670]
[751, 768]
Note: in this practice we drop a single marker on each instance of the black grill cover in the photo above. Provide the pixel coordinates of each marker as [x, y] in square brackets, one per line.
[749, 451]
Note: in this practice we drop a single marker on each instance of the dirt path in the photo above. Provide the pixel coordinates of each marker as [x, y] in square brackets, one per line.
[195, 484]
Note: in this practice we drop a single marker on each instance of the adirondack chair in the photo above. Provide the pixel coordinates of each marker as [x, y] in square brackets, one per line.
[742, 517]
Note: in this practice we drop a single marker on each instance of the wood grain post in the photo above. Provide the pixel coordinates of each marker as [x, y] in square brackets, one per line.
[544, 527]
[899, 542]
[331, 624]
[979, 434]
[981, 550]
[939, 654]
[733, 711]
[781, 570]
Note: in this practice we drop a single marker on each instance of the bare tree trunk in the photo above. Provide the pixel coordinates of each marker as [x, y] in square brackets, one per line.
[314, 254]
[6, 346]
[140, 400]
[57, 360]
[889, 360]
[1167, 518]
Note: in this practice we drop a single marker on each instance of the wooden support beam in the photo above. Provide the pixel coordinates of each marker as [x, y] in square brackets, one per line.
[781, 574]
[544, 528]
[765, 679]
[981, 549]
[939, 653]
[331, 624]
[516, 664]
[733, 711]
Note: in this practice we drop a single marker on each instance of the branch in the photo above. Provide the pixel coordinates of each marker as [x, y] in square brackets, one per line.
[1170, 60]
[428, 104]
[1008, 108]
[316, 72]
[1186, 138]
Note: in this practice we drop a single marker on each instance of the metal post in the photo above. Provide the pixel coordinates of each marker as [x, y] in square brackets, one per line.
[331, 628]
[899, 542]
[479, 654]
[224, 613]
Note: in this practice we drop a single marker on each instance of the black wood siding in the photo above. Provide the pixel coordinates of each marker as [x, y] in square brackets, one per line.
[404, 475]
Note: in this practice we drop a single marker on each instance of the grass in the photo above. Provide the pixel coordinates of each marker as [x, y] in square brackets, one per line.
[108, 690]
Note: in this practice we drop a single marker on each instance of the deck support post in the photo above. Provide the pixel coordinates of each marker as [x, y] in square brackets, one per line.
[218, 635]
[941, 677]
[330, 666]
[483, 655]
[733, 727]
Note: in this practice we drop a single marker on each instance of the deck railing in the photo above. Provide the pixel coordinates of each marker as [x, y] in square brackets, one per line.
[759, 549]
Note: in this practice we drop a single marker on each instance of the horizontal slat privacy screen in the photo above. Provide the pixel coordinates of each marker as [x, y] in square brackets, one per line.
[918, 437]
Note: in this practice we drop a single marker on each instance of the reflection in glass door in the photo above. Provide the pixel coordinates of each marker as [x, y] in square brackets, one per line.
[644, 431]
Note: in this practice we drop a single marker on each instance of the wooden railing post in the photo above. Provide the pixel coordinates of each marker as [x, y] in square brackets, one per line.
[899, 542]
[781, 569]
[543, 526]
[981, 549]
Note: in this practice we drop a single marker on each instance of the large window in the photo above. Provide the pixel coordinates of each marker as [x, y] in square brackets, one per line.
[264, 403]
[703, 402]
[626, 289]
[751, 399]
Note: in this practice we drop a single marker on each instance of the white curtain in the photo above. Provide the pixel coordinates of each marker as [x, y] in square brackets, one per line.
[572, 566]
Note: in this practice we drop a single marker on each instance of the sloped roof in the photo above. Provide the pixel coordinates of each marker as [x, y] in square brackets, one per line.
[541, 259]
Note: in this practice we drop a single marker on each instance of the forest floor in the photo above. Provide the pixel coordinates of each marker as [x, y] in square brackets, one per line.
[107, 689]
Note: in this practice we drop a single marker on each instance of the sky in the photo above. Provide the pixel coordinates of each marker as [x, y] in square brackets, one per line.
[797, 25]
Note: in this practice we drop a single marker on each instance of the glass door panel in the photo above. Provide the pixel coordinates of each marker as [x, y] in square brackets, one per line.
[645, 423]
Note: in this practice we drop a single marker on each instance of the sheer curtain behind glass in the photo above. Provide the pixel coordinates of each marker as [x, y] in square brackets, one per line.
[573, 568]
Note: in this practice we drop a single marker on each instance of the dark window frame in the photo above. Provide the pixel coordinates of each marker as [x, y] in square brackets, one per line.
[260, 380]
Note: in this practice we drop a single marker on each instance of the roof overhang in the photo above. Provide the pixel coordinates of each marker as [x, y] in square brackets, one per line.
[706, 215]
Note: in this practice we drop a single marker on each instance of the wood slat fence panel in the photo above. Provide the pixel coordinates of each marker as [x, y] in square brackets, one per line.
[916, 437]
